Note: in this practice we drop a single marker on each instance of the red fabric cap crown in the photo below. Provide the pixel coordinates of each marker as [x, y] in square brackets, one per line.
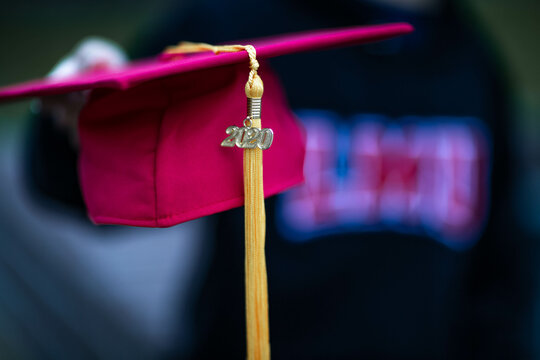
[151, 155]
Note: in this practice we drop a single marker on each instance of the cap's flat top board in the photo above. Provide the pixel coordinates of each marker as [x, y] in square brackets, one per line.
[145, 70]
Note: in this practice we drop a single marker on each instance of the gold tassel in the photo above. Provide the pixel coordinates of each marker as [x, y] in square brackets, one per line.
[257, 328]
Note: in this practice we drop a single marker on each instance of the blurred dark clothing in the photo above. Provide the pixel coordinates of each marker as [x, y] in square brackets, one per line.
[51, 164]
[370, 293]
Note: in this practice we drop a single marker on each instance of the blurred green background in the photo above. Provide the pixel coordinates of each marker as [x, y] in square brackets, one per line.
[35, 34]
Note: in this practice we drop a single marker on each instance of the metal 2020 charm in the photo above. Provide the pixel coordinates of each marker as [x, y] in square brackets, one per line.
[248, 137]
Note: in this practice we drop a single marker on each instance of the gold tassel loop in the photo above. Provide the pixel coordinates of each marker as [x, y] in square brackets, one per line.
[187, 47]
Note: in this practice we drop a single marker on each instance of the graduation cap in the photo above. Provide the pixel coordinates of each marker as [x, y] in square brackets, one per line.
[156, 138]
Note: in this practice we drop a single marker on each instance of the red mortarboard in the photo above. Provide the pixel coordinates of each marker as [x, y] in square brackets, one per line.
[150, 132]
[150, 138]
